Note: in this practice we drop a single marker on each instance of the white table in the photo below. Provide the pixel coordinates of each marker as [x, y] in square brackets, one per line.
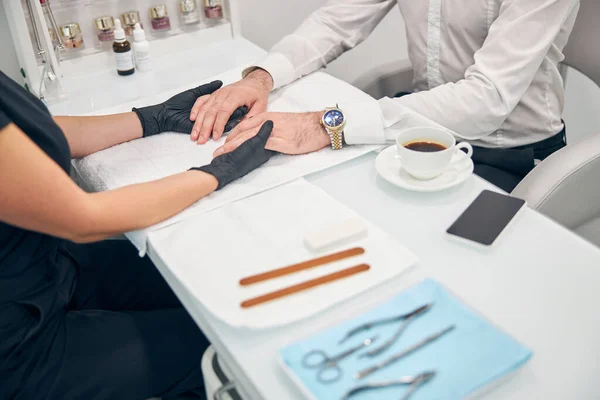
[541, 284]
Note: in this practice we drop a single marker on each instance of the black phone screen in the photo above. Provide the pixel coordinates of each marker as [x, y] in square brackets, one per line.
[486, 217]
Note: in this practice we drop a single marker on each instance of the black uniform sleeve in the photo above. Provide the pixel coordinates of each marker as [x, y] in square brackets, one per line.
[4, 120]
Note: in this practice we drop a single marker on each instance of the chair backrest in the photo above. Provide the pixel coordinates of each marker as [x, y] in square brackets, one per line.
[386, 79]
[582, 51]
[566, 185]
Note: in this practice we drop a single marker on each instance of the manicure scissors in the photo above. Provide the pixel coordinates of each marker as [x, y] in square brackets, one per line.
[415, 383]
[329, 369]
[406, 319]
[410, 349]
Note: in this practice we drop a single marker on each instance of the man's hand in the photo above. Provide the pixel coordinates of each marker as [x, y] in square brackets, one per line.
[293, 133]
[173, 114]
[211, 112]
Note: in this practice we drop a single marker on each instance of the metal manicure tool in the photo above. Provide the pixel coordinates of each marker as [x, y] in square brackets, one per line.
[403, 353]
[329, 370]
[415, 383]
[406, 320]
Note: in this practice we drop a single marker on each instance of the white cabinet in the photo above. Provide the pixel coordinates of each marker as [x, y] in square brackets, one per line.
[83, 79]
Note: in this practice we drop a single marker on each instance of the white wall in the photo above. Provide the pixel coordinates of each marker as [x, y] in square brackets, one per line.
[8, 58]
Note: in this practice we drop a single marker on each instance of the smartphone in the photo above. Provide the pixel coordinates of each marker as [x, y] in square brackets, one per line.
[486, 218]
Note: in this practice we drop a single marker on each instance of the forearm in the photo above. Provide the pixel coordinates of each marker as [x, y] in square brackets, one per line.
[139, 206]
[337, 26]
[38, 195]
[87, 135]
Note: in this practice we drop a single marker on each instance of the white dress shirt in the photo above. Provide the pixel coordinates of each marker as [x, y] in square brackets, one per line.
[485, 69]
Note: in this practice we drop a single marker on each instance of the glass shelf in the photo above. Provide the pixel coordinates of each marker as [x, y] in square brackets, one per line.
[84, 13]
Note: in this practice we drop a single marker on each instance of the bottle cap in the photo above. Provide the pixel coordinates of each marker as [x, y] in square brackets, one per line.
[129, 18]
[106, 23]
[119, 32]
[159, 11]
[70, 31]
[187, 6]
[138, 33]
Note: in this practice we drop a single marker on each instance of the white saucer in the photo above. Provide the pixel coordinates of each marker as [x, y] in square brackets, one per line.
[390, 168]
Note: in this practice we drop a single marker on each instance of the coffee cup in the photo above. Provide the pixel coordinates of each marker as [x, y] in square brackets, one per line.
[427, 152]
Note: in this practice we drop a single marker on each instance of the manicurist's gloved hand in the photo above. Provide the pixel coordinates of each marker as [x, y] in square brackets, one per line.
[174, 114]
[244, 159]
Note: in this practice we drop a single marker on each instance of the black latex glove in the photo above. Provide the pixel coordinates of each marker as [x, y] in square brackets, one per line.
[174, 114]
[247, 157]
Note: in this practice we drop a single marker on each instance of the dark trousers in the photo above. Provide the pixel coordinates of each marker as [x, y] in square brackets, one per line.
[125, 335]
[505, 168]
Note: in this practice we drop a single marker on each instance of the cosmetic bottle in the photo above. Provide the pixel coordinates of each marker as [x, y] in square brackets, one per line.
[213, 9]
[141, 50]
[123, 52]
[189, 12]
[105, 29]
[160, 18]
[129, 19]
[71, 35]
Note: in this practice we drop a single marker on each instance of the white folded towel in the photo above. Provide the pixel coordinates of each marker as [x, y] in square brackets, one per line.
[162, 155]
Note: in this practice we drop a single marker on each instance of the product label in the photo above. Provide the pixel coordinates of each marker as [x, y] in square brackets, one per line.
[124, 61]
[142, 60]
[191, 17]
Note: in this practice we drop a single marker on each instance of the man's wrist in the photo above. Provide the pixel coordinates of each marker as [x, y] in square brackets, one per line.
[315, 121]
[262, 76]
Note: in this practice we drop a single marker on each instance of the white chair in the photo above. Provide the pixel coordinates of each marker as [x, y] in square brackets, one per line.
[566, 185]
[386, 79]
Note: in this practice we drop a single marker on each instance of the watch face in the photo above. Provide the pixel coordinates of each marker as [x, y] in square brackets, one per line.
[333, 118]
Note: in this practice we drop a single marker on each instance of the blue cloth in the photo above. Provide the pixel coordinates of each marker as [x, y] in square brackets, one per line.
[471, 356]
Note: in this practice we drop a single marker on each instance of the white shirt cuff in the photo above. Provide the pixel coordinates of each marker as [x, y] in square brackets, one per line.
[364, 122]
[398, 117]
[281, 69]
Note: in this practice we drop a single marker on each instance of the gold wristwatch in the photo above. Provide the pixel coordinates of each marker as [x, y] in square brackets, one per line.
[334, 121]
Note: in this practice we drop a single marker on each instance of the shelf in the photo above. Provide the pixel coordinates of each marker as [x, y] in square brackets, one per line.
[106, 47]
[84, 13]
[92, 84]
[161, 49]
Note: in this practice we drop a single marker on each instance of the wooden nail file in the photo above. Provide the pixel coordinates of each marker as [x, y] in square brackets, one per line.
[315, 262]
[345, 273]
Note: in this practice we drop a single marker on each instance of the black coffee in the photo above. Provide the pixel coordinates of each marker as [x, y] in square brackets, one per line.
[425, 147]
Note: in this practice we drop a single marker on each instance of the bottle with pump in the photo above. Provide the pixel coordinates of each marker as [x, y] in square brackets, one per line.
[141, 49]
[123, 52]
